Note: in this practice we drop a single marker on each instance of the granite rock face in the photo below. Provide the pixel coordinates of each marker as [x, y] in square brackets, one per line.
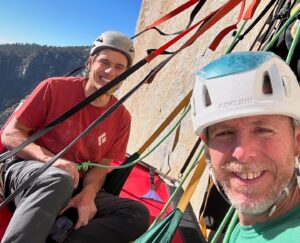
[152, 103]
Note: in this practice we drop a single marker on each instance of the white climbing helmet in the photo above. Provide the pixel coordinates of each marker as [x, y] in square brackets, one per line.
[243, 84]
[116, 41]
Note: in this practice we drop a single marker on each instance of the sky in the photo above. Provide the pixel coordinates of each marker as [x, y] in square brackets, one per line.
[65, 22]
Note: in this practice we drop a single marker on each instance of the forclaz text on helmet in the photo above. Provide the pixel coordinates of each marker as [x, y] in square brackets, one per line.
[233, 103]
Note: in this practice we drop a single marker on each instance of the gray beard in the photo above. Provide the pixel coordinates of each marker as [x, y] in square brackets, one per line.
[257, 207]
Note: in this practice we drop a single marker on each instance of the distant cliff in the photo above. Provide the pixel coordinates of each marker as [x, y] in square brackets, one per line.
[23, 66]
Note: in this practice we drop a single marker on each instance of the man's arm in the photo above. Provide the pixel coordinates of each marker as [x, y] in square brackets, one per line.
[85, 200]
[15, 133]
[95, 178]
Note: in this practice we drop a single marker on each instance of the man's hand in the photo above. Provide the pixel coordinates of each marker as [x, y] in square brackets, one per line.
[69, 167]
[85, 205]
[84, 201]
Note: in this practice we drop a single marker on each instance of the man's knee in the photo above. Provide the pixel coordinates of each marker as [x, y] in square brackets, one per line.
[58, 181]
[139, 220]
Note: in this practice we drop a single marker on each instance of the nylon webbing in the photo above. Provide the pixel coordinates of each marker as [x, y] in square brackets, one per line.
[185, 101]
[251, 26]
[189, 158]
[281, 15]
[188, 192]
[271, 23]
[281, 30]
[214, 17]
[159, 21]
[204, 205]
[251, 9]
[75, 70]
[172, 14]
[213, 46]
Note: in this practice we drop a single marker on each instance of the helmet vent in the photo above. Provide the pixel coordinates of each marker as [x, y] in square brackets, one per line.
[207, 101]
[286, 86]
[100, 39]
[267, 85]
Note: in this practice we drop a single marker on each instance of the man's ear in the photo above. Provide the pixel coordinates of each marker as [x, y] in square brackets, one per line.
[206, 152]
[89, 62]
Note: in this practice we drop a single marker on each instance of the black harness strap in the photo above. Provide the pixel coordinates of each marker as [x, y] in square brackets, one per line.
[253, 24]
[271, 22]
[189, 158]
[81, 67]
[280, 16]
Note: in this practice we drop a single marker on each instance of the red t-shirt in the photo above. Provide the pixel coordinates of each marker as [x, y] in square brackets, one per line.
[55, 96]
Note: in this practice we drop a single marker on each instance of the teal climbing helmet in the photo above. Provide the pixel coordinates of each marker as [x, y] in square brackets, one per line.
[244, 84]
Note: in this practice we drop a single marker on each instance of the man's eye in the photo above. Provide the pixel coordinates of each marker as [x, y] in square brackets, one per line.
[104, 62]
[223, 134]
[120, 67]
[262, 130]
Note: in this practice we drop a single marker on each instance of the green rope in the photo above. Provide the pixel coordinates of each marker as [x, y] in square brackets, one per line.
[223, 224]
[84, 166]
[195, 162]
[237, 35]
[293, 46]
[280, 31]
[168, 133]
[230, 228]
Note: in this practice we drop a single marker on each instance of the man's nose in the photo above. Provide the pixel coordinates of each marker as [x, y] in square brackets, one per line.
[109, 69]
[244, 148]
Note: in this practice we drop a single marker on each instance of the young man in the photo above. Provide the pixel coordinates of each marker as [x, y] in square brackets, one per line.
[246, 107]
[102, 217]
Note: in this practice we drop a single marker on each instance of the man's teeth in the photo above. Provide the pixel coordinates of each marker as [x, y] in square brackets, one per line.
[105, 79]
[248, 176]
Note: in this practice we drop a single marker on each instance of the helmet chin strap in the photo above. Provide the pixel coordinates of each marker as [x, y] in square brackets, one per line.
[297, 167]
[213, 177]
[285, 193]
[292, 182]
